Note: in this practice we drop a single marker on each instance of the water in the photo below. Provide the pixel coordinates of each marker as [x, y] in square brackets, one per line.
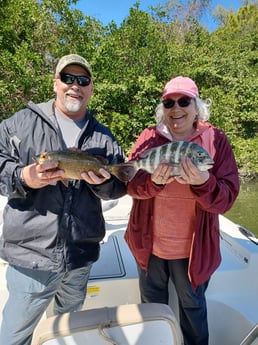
[245, 209]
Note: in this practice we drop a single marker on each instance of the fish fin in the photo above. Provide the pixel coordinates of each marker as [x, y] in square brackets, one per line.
[146, 153]
[124, 171]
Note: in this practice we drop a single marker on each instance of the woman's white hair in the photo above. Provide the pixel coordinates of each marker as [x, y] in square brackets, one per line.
[202, 107]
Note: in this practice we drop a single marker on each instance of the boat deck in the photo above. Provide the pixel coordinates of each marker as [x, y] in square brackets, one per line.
[231, 296]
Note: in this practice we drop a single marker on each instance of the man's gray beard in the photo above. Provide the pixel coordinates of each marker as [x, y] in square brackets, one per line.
[72, 106]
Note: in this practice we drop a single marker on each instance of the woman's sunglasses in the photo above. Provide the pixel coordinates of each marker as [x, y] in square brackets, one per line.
[69, 79]
[182, 102]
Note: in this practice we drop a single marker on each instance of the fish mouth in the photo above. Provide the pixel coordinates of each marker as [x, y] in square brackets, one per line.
[210, 163]
[207, 166]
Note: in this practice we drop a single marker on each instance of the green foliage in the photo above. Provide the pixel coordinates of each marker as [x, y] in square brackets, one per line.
[132, 63]
[246, 150]
[133, 100]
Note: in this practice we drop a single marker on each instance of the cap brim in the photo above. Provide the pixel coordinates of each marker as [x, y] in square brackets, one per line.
[182, 92]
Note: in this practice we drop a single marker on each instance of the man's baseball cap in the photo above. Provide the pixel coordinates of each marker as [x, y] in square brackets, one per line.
[72, 59]
[183, 85]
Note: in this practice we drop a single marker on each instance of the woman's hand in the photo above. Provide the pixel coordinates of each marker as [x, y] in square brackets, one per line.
[162, 174]
[190, 174]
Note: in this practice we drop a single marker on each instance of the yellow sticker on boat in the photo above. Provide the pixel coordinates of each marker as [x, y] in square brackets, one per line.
[93, 289]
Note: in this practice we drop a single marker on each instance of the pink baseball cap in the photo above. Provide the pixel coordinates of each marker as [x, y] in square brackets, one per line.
[183, 85]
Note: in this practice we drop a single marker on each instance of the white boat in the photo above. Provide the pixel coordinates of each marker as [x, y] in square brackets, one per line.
[112, 313]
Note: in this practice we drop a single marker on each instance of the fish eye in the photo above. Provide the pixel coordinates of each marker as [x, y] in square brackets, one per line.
[43, 157]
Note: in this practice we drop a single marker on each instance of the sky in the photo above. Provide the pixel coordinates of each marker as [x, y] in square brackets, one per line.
[107, 10]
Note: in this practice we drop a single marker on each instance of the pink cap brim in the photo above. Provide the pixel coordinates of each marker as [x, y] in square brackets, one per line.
[182, 92]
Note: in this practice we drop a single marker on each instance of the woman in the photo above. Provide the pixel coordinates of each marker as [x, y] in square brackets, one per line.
[173, 231]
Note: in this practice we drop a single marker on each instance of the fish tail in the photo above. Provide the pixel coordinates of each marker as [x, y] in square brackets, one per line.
[124, 171]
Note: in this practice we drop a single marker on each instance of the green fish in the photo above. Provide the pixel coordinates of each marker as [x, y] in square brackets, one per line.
[74, 162]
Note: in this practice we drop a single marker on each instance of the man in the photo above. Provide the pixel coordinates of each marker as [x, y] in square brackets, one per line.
[51, 232]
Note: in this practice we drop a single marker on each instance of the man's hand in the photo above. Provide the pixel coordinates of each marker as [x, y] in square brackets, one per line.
[92, 178]
[40, 175]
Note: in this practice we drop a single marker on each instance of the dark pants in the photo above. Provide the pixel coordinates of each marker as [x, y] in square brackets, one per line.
[192, 303]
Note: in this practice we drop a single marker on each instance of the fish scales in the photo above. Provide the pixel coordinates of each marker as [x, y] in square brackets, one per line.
[188, 148]
[164, 150]
[183, 150]
[180, 152]
[154, 158]
[74, 162]
[173, 153]
[175, 150]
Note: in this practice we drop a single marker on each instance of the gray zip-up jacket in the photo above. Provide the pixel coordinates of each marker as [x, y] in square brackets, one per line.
[55, 228]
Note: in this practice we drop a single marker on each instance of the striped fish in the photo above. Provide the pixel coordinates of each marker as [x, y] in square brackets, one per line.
[173, 154]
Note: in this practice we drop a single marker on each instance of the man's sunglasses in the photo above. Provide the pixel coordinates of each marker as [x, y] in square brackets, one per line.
[182, 102]
[69, 79]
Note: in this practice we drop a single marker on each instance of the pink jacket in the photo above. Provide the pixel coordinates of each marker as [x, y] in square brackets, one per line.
[214, 197]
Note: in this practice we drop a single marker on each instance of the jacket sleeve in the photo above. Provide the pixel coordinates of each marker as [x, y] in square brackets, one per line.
[141, 186]
[218, 194]
[10, 163]
[112, 188]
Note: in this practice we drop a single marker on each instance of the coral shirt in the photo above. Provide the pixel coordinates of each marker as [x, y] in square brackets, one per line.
[174, 207]
[173, 222]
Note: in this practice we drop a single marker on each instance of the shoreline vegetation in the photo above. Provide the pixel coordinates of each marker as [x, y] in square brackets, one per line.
[247, 178]
[133, 61]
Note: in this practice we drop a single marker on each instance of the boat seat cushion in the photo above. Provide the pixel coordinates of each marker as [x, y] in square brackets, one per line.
[131, 324]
